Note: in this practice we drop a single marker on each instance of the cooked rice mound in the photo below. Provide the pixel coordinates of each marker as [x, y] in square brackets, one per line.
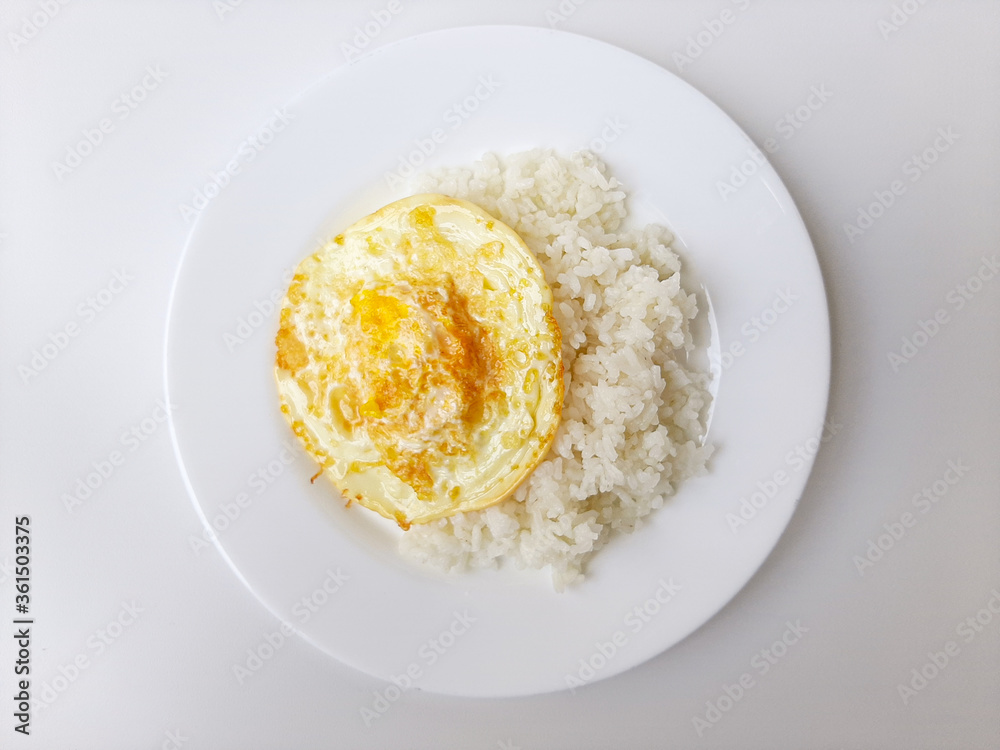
[632, 427]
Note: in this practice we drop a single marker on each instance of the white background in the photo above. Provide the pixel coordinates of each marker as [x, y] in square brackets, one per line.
[170, 673]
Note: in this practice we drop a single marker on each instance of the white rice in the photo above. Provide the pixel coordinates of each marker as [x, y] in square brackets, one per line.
[632, 426]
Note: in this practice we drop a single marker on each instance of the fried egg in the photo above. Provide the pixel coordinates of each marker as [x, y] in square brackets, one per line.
[418, 360]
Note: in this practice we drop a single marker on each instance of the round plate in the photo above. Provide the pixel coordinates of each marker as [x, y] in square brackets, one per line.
[343, 150]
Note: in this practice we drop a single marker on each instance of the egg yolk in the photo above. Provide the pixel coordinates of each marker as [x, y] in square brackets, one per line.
[430, 371]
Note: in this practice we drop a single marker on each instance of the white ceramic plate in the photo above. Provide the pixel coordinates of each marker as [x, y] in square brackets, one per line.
[445, 98]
